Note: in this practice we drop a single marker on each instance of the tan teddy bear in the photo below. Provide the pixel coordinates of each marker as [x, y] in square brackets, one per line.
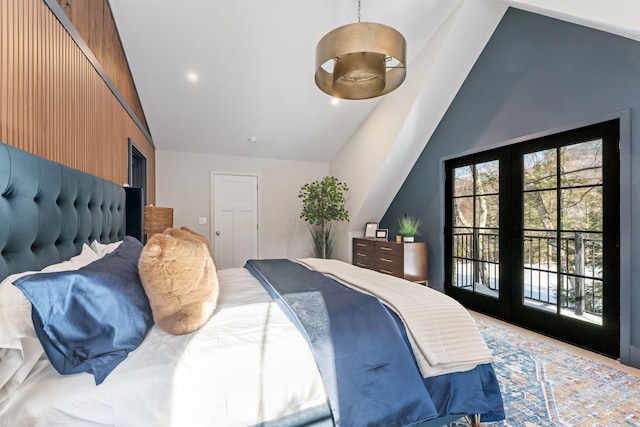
[179, 277]
[187, 233]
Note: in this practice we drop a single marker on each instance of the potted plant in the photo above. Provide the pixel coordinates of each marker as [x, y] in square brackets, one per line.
[408, 227]
[323, 202]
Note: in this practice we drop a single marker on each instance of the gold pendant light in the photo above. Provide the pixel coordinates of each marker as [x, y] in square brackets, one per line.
[368, 60]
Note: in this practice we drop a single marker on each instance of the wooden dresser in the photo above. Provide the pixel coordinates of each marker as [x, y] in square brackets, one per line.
[406, 260]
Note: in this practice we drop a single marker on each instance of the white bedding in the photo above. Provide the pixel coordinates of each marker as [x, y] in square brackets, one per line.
[248, 364]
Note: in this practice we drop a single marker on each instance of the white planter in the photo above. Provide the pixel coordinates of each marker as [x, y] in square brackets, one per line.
[409, 239]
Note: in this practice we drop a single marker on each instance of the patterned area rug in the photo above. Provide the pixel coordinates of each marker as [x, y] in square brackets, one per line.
[546, 386]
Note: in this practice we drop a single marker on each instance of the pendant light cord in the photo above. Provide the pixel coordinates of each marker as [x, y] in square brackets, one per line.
[358, 11]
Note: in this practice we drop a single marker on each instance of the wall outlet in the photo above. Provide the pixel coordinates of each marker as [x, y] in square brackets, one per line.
[202, 220]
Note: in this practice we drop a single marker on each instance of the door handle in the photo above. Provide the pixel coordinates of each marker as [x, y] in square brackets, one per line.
[217, 233]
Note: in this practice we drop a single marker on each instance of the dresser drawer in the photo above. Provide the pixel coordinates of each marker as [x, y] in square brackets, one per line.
[389, 264]
[363, 245]
[393, 270]
[364, 263]
[362, 255]
[387, 260]
[389, 248]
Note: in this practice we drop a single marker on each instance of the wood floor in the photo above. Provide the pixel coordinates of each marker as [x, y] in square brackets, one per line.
[563, 345]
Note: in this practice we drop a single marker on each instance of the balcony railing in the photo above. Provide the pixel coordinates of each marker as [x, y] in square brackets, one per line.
[571, 271]
[477, 261]
[577, 282]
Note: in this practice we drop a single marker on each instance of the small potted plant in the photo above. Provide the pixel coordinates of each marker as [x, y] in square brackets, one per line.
[409, 227]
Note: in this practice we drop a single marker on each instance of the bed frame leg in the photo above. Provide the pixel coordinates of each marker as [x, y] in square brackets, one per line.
[473, 420]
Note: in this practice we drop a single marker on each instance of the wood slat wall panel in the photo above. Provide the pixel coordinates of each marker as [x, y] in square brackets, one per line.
[54, 104]
[93, 20]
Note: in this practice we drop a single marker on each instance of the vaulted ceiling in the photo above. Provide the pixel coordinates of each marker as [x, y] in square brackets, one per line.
[255, 65]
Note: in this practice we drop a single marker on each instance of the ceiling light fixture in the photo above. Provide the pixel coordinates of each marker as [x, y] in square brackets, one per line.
[192, 77]
[368, 60]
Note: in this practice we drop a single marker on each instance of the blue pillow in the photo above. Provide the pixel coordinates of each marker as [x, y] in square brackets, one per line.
[88, 320]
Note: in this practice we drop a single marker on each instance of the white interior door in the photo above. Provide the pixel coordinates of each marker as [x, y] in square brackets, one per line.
[235, 228]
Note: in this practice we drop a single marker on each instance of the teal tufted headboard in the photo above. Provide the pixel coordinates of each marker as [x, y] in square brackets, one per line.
[48, 210]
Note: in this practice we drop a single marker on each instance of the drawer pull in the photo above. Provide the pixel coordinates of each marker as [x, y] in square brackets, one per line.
[361, 244]
[386, 271]
[385, 248]
[360, 254]
[359, 264]
[386, 260]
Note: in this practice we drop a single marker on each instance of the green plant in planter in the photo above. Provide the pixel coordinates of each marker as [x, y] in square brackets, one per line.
[323, 202]
[409, 226]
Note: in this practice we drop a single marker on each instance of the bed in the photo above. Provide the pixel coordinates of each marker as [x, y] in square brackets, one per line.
[272, 353]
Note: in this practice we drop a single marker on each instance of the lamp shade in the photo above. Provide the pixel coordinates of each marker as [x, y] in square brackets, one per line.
[157, 219]
[368, 58]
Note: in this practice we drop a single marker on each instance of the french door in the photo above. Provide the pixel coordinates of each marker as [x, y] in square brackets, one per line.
[532, 232]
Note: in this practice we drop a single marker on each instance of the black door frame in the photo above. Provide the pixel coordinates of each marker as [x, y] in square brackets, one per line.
[137, 168]
[509, 306]
[501, 306]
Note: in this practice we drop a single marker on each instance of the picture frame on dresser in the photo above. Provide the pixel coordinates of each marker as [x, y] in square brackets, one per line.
[382, 234]
[370, 230]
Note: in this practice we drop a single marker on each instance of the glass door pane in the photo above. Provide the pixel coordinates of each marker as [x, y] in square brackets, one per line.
[562, 233]
[475, 256]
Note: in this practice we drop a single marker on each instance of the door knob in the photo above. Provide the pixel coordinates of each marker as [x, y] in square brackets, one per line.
[217, 233]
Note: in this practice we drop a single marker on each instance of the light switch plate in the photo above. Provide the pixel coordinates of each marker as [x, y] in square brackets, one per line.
[202, 220]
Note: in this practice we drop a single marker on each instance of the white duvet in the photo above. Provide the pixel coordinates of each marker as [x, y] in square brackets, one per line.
[248, 364]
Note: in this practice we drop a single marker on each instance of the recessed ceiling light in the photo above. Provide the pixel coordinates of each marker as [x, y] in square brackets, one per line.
[192, 77]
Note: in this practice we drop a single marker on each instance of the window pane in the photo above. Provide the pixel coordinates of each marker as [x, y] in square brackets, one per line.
[540, 210]
[475, 228]
[540, 287]
[540, 170]
[581, 164]
[463, 243]
[488, 279]
[462, 276]
[540, 250]
[463, 212]
[582, 208]
[487, 178]
[487, 211]
[581, 299]
[463, 181]
[488, 245]
[582, 254]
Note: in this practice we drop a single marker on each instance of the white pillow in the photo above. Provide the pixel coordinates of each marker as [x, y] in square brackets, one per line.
[20, 348]
[85, 257]
[104, 248]
[19, 345]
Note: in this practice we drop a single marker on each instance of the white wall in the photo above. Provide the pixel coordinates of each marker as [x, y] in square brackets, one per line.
[183, 183]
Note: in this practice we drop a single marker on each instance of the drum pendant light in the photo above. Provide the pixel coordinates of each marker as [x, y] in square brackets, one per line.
[368, 60]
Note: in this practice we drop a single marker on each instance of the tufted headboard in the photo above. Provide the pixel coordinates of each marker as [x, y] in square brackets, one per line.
[48, 210]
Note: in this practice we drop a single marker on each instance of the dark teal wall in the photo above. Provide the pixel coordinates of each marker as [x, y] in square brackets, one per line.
[536, 75]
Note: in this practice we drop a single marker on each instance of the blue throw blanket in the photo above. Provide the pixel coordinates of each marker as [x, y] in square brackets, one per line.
[369, 373]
